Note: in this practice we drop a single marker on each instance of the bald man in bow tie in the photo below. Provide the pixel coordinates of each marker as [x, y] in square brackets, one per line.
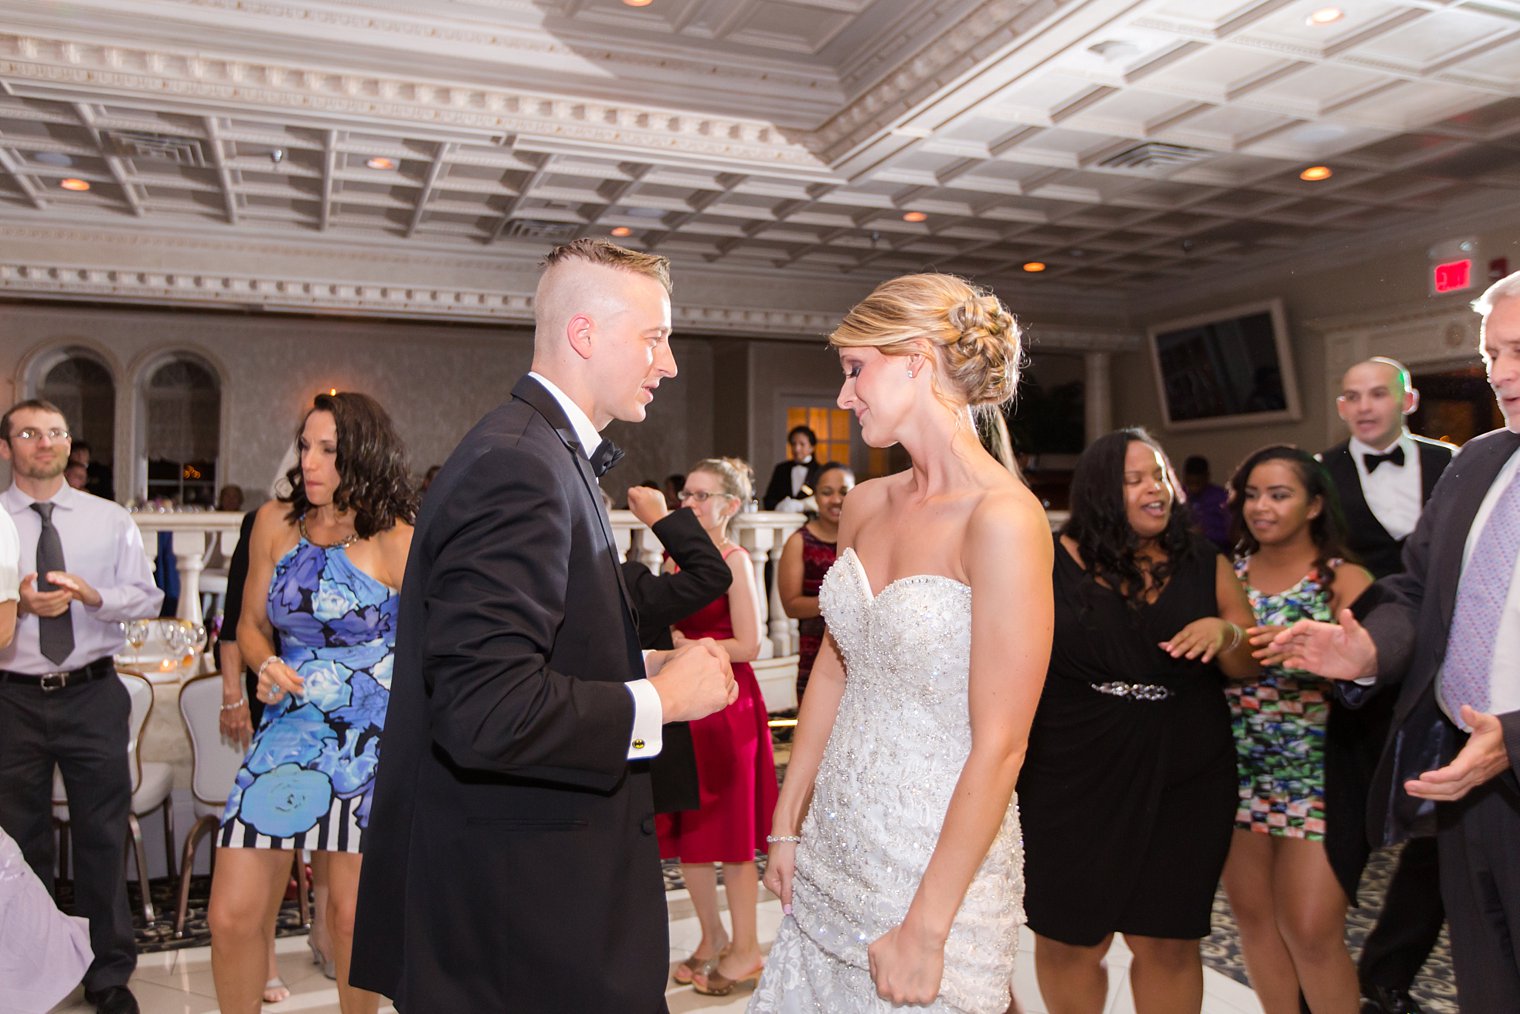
[511, 862]
[1384, 474]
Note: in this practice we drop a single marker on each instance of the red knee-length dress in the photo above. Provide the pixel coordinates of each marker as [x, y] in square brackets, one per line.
[736, 770]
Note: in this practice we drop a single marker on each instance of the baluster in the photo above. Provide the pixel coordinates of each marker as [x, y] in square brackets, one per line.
[190, 558]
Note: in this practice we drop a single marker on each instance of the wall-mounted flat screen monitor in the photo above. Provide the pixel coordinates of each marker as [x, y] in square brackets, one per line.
[1229, 368]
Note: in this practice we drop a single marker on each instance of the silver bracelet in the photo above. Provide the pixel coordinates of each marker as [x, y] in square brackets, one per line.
[783, 839]
[1236, 633]
[271, 660]
[239, 703]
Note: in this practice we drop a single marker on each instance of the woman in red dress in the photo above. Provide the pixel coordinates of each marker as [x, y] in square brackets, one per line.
[735, 768]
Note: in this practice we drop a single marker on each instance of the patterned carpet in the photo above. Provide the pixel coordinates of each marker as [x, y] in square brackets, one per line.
[1434, 988]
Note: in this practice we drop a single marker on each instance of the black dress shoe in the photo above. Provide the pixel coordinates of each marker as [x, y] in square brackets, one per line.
[1388, 1000]
[112, 1000]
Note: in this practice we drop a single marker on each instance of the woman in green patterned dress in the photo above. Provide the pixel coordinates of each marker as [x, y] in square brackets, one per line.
[1287, 901]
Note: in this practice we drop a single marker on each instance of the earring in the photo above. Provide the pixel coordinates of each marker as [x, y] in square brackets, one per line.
[910, 374]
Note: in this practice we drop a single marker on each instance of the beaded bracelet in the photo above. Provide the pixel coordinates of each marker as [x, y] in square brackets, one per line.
[271, 660]
[783, 839]
[240, 702]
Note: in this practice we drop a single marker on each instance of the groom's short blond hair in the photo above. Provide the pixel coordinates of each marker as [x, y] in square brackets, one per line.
[609, 254]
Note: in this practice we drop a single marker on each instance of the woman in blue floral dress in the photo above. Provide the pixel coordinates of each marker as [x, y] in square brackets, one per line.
[325, 568]
[1287, 900]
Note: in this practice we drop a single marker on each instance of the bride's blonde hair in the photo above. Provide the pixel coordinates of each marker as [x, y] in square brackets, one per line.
[972, 335]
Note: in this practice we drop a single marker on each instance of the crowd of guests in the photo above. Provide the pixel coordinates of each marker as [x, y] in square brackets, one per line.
[1180, 741]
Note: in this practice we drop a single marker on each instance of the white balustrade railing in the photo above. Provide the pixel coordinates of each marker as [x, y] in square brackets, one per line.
[197, 538]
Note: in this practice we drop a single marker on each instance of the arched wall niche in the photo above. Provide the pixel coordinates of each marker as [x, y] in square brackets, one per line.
[179, 425]
[83, 380]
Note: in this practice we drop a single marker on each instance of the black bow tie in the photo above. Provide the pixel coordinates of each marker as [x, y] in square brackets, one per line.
[606, 455]
[1394, 457]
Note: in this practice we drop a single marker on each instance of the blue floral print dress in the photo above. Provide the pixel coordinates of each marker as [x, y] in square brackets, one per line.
[307, 780]
[1279, 722]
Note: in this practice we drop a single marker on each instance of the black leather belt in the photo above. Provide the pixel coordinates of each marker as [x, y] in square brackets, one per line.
[50, 681]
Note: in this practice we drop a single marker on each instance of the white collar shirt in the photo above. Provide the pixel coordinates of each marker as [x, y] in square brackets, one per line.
[1392, 491]
[101, 544]
[1504, 686]
[585, 430]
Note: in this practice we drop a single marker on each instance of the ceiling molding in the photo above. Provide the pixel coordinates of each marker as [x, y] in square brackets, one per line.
[47, 68]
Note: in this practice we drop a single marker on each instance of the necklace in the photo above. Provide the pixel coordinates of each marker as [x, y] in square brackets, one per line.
[343, 543]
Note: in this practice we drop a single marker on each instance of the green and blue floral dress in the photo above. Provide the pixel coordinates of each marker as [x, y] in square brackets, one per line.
[310, 771]
[1279, 722]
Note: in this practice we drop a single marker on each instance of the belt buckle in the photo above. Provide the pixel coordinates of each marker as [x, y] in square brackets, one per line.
[51, 681]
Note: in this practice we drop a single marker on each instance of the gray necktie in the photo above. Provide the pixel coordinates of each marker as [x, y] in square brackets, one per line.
[55, 634]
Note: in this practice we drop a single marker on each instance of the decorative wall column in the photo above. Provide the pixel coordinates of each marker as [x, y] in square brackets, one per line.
[1097, 396]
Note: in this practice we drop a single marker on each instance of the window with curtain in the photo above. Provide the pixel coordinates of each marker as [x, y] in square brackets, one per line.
[184, 412]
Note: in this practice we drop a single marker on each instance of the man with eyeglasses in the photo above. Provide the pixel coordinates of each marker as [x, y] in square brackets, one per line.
[83, 572]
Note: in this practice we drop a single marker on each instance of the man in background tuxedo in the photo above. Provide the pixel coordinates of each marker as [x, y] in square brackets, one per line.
[510, 863]
[792, 481]
[1445, 634]
[1384, 474]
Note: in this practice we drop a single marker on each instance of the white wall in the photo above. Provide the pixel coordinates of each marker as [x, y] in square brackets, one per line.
[1379, 294]
[434, 379]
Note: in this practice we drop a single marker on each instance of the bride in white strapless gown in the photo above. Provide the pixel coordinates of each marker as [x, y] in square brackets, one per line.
[895, 844]
[899, 742]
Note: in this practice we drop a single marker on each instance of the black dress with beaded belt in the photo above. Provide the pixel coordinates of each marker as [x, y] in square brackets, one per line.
[1128, 790]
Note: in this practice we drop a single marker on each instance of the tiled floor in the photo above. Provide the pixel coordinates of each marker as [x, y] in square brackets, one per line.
[179, 982]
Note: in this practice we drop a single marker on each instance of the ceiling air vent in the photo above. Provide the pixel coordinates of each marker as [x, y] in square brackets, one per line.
[173, 148]
[532, 228]
[1154, 156]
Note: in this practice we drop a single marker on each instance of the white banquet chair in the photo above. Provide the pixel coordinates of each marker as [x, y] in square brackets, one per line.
[151, 785]
[215, 764]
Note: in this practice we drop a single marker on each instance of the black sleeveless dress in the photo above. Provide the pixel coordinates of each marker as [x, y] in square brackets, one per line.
[1127, 801]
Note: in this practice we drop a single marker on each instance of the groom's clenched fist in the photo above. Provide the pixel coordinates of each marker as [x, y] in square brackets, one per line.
[693, 681]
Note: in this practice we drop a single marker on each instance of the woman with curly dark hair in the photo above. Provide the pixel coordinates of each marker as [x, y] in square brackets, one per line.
[1129, 784]
[325, 568]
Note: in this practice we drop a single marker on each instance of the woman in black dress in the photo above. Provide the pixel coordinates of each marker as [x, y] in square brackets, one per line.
[1128, 791]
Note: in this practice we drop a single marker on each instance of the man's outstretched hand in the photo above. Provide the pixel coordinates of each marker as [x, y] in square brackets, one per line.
[1337, 651]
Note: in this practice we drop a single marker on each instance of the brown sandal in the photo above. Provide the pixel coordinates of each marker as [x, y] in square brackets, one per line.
[719, 984]
[692, 965]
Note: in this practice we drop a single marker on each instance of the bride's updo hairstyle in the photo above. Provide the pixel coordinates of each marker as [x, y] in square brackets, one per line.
[973, 336]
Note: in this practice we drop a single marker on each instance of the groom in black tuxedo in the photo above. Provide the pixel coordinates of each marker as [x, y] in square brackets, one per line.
[510, 862]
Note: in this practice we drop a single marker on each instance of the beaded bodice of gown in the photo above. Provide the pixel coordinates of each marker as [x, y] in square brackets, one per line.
[900, 739]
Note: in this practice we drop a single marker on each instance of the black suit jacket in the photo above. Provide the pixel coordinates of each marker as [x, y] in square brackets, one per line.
[1409, 626]
[510, 861]
[780, 486]
[1354, 735]
[1365, 536]
[660, 600]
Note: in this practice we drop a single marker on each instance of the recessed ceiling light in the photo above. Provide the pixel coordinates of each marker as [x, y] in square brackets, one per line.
[914, 216]
[1112, 50]
[72, 184]
[1325, 16]
[56, 158]
[1315, 173]
[1034, 267]
[622, 231]
[381, 162]
[637, 3]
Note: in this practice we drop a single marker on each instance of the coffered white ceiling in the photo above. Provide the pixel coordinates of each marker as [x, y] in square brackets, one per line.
[1126, 144]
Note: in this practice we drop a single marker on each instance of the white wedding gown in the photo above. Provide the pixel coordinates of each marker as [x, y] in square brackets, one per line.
[899, 742]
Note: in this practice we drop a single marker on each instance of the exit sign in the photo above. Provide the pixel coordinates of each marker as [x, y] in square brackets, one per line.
[1452, 276]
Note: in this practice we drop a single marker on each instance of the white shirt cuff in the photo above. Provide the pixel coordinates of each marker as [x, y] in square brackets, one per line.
[648, 718]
